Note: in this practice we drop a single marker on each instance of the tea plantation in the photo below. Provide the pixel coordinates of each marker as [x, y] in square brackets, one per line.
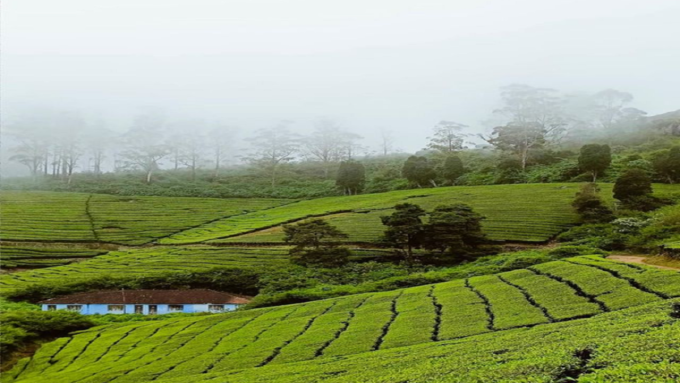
[76, 217]
[37, 257]
[148, 262]
[552, 322]
[528, 213]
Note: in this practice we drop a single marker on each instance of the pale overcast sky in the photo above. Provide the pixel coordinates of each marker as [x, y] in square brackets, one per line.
[399, 65]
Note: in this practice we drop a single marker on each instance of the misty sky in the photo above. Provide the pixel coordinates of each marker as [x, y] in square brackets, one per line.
[399, 65]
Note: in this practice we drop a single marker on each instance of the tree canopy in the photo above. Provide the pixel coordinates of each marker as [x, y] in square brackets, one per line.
[313, 243]
[453, 230]
[595, 159]
[351, 177]
[404, 229]
[632, 184]
[418, 171]
[452, 168]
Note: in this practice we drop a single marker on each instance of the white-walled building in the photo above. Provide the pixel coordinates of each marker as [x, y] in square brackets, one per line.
[147, 302]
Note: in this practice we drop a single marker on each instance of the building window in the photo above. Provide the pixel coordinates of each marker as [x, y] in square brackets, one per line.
[116, 308]
[51, 307]
[74, 307]
[173, 308]
[215, 308]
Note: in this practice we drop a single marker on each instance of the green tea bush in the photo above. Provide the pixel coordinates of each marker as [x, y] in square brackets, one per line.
[21, 327]
[494, 318]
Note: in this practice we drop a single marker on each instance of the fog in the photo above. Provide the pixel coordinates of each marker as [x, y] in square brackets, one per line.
[369, 65]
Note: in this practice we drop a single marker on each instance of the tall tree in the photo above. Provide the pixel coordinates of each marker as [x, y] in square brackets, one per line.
[273, 147]
[534, 116]
[632, 184]
[609, 105]
[187, 145]
[455, 230]
[418, 171]
[326, 143]
[386, 141]
[404, 230]
[97, 140]
[221, 138]
[314, 243]
[668, 164]
[595, 159]
[447, 137]
[144, 145]
[351, 146]
[452, 168]
[351, 177]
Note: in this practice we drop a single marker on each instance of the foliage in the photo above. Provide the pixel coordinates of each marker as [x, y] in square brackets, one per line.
[667, 164]
[234, 279]
[21, 327]
[590, 206]
[273, 147]
[447, 137]
[453, 231]
[452, 169]
[601, 236]
[418, 171]
[313, 243]
[145, 146]
[594, 159]
[534, 120]
[319, 332]
[404, 229]
[631, 185]
[351, 177]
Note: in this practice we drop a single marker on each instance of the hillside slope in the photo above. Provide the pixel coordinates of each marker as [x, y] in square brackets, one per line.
[526, 212]
[140, 262]
[327, 332]
[78, 217]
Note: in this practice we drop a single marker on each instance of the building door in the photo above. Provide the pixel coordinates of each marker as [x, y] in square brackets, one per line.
[139, 309]
[153, 309]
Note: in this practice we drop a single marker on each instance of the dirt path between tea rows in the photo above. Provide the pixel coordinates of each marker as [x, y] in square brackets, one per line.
[638, 260]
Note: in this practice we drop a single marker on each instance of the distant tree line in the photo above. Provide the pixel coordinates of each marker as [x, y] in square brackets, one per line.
[538, 135]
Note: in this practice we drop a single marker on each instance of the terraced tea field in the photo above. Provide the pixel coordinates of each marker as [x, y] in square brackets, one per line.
[531, 213]
[77, 217]
[511, 215]
[398, 335]
[37, 257]
[153, 260]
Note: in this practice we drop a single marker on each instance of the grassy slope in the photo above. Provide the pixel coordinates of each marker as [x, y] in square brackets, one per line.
[531, 212]
[50, 216]
[455, 315]
[38, 257]
[152, 260]
[514, 212]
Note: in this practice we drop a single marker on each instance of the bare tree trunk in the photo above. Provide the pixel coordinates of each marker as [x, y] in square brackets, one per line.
[193, 168]
[148, 176]
[218, 154]
[47, 159]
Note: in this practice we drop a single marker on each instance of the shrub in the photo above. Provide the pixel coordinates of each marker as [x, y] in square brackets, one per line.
[590, 206]
[21, 327]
